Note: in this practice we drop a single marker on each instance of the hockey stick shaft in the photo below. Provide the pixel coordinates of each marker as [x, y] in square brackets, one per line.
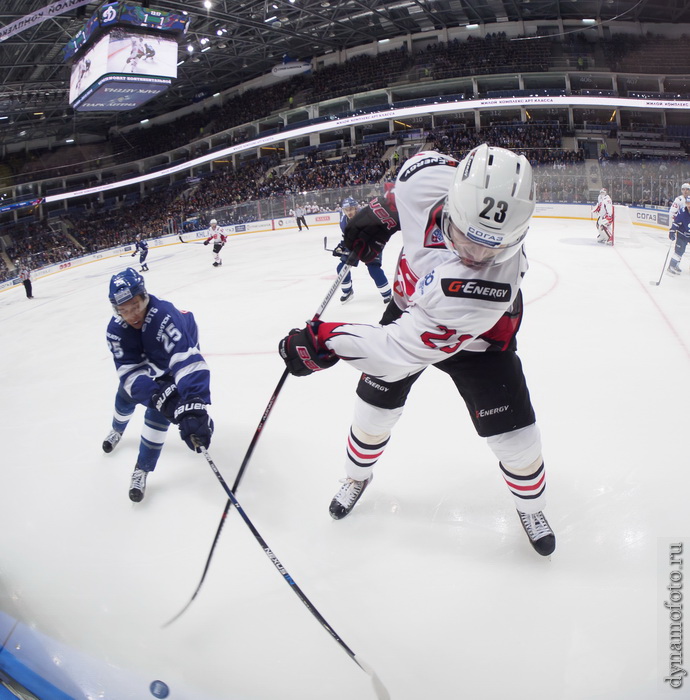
[663, 269]
[379, 688]
[255, 439]
[193, 242]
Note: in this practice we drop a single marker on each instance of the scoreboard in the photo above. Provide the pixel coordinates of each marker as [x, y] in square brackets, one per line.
[123, 56]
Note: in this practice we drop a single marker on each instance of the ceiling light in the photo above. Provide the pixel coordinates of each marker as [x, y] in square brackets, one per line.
[588, 21]
[208, 4]
[190, 48]
[144, 121]
[471, 26]
[69, 140]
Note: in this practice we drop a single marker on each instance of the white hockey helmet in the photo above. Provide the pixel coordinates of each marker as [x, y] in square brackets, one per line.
[685, 186]
[489, 206]
[603, 192]
[213, 221]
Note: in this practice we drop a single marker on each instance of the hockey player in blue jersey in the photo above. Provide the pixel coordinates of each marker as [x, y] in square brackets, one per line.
[680, 233]
[141, 247]
[159, 365]
[349, 209]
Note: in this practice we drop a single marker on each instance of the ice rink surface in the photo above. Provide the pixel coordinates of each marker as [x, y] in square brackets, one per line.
[431, 579]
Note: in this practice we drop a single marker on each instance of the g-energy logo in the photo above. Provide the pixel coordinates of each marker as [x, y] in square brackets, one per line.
[425, 163]
[476, 289]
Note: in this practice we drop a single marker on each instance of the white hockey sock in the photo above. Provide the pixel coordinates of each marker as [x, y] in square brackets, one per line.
[527, 486]
[363, 451]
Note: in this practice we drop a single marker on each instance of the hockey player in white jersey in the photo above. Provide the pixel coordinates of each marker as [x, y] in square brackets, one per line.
[217, 236]
[678, 204]
[457, 306]
[604, 209]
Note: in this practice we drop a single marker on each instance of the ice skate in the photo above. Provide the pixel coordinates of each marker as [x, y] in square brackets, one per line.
[137, 487]
[349, 493]
[540, 534]
[111, 441]
[673, 268]
[347, 296]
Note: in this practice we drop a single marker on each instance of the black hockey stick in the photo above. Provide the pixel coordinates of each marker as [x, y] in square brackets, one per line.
[663, 269]
[325, 244]
[255, 439]
[183, 241]
[379, 688]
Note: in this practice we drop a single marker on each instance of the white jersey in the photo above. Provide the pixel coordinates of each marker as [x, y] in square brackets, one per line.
[216, 235]
[448, 305]
[604, 207]
[678, 204]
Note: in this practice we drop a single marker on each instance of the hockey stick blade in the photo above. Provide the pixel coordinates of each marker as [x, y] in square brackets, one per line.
[255, 439]
[379, 688]
[663, 269]
[192, 242]
[325, 244]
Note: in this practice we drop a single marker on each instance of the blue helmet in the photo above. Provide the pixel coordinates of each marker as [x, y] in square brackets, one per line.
[125, 286]
[349, 202]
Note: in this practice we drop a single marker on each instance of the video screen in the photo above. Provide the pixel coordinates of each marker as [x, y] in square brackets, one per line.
[124, 52]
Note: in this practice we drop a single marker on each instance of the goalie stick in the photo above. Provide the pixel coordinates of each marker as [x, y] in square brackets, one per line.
[334, 287]
[379, 688]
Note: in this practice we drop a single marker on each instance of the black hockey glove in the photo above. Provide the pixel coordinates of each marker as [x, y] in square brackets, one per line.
[165, 400]
[369, 229]
[206, 242]
[196, 426]
[672, 235]
[340, 250]
[302, 352]
[392, 313]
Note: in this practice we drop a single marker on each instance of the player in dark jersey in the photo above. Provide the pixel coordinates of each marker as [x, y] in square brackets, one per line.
[141, 247]
[155, 347]
[349, 208]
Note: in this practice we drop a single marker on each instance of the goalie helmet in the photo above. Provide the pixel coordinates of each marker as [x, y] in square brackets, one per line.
[489, 206]
[125, 286]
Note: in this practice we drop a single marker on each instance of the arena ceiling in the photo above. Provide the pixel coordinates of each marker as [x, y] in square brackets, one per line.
[245, 39]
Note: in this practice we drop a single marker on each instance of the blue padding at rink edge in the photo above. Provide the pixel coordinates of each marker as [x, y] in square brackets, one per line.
[23, 675]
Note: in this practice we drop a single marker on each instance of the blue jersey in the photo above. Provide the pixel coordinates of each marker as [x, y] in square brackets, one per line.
[166, 346]
[681, 222]
[142, 246]
[343, 221]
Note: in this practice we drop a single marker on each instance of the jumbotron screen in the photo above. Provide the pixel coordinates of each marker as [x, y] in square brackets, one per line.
[122, 70]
